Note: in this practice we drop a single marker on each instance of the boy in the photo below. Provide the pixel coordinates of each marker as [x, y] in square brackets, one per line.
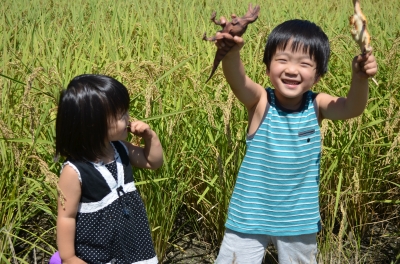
[275, 198]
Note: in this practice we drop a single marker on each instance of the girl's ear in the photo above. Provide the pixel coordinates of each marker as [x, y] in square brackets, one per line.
[267, 72]
[317, 80]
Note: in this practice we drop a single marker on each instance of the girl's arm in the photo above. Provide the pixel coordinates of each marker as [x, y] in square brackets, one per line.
[149, 157]
[70, 187]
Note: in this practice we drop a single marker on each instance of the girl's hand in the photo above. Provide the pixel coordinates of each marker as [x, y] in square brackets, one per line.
[365, 66]
[141, 129]
[151, 155]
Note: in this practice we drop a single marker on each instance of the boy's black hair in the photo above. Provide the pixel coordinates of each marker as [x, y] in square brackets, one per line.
[303, 34]
[84, 112]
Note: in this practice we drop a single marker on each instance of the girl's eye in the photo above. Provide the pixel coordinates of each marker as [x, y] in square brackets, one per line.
[123, 116]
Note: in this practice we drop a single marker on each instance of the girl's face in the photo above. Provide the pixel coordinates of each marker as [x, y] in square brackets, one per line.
[292, 73]
[117, 128]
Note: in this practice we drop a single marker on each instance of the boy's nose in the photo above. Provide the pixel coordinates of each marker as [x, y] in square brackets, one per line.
[291, 69]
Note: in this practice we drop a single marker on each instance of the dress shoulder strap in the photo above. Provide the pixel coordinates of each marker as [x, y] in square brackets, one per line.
[122, 151]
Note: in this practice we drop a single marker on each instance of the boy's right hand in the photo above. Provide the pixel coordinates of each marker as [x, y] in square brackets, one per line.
[220, 39]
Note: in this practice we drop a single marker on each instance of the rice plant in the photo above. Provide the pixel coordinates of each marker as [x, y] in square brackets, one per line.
[155, 48]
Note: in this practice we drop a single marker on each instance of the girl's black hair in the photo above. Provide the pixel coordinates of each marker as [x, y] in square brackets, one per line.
[84, 112]
[303, 34]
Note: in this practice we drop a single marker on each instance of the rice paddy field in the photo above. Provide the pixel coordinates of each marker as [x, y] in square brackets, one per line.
[155, 48]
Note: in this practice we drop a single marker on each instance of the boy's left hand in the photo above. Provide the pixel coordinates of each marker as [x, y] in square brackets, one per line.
[365, 66]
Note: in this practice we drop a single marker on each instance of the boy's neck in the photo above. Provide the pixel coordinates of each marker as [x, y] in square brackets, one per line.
[289, 103]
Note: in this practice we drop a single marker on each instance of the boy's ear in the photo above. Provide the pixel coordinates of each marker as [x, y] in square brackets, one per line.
[317, 79]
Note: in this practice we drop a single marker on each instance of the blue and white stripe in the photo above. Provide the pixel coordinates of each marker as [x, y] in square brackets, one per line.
[276, 192]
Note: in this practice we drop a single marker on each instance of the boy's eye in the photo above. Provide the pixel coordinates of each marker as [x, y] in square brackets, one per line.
[306, 64]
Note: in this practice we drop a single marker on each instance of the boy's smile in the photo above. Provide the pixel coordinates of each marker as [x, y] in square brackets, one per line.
[292, 73]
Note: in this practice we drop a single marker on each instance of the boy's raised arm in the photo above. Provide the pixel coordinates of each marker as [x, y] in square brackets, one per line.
[340, 108]
[247, 91]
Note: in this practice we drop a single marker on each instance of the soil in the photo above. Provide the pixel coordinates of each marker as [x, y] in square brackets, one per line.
[190, 250]
[381, 244]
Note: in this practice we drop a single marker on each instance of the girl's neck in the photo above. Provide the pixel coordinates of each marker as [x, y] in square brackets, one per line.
[108, 155]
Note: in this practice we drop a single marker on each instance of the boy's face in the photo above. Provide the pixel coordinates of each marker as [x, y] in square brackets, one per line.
[292, 73]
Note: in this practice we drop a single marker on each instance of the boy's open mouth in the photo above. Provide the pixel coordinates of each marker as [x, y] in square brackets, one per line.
[290, 82]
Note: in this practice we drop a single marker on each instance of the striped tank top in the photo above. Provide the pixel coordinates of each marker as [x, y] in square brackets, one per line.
[276, 191]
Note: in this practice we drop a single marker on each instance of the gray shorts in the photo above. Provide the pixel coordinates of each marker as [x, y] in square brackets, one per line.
[239, 248]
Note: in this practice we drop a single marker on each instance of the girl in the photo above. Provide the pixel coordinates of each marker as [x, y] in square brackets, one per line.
[101, 217]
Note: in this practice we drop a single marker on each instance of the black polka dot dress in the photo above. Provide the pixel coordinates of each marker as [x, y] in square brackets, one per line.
[111, 224]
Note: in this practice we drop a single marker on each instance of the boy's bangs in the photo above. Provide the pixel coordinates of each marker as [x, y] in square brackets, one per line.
[298, 44]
